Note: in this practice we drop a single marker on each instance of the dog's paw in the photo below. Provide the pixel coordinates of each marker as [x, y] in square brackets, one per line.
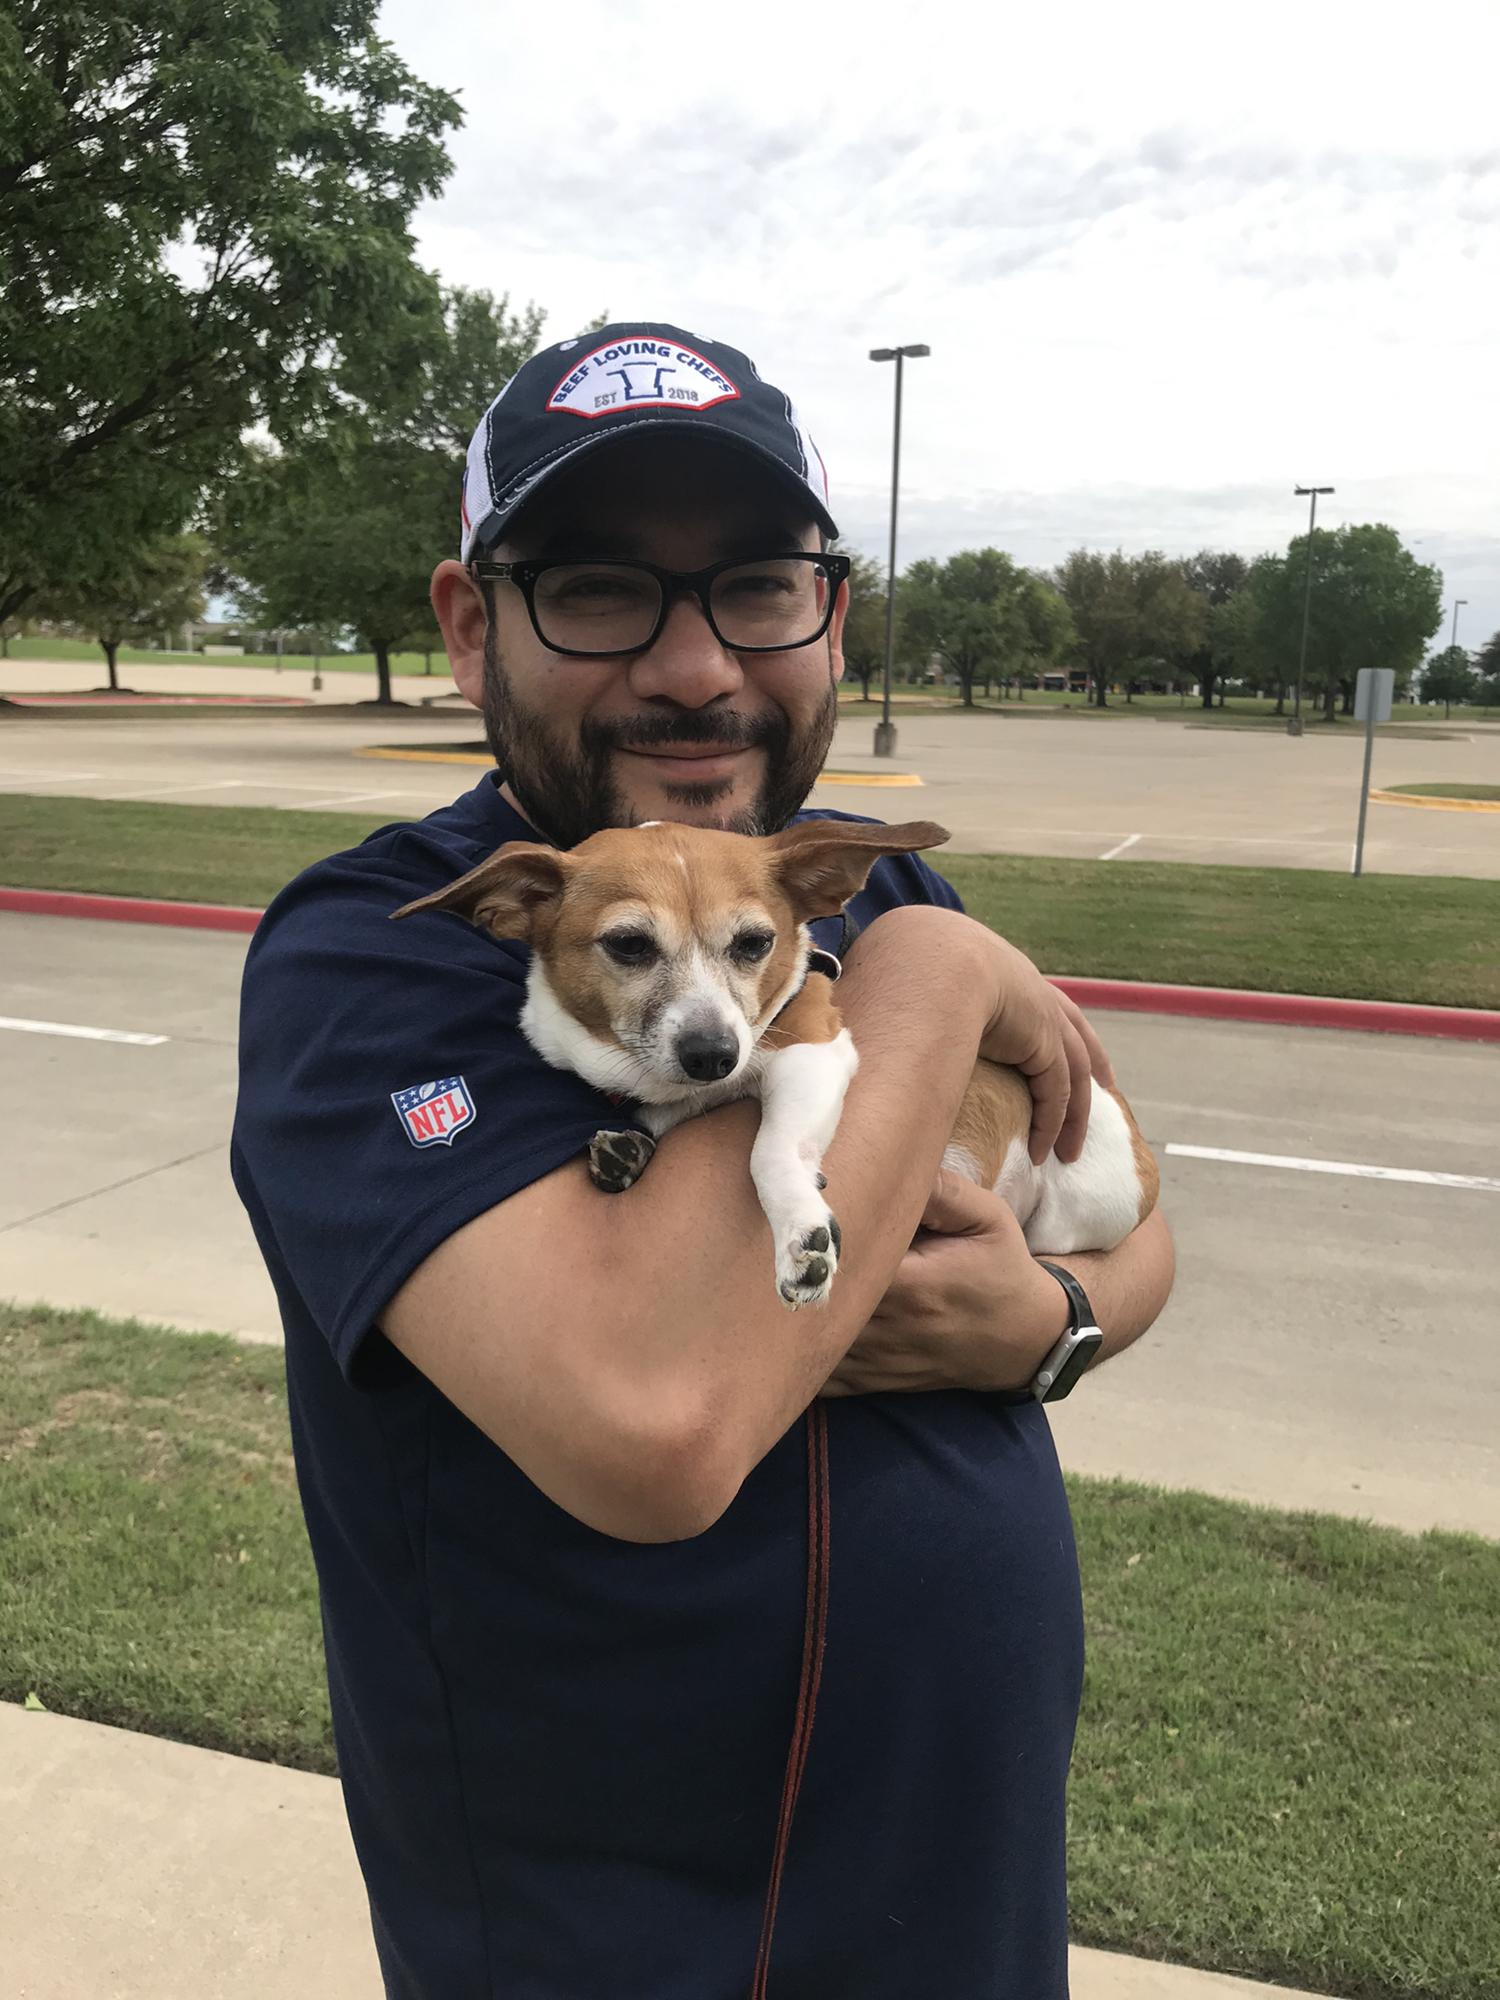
[618, 1159]
[806, 1261]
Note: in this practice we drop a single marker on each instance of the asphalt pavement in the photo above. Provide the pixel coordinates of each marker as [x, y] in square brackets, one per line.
[1162, 786]
[1330, 1343]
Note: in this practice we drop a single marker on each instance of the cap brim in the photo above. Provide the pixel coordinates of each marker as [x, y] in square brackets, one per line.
[495, 523]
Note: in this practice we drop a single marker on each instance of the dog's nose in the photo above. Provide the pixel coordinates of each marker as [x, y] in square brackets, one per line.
[707, 1058]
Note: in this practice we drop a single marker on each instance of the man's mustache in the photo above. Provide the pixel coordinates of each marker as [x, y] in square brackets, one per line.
[651, 732]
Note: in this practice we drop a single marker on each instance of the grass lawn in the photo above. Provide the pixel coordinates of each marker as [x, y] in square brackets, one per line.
[145, 656]
[1285, 1765]
[1300, 930]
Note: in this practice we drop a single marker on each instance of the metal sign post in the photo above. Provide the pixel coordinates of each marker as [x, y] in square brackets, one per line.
[1373, 689]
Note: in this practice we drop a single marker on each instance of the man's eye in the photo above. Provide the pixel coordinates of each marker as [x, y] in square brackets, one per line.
[751, 946]
[629, 947]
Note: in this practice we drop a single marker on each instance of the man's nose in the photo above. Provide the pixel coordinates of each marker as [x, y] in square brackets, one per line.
[687, 664]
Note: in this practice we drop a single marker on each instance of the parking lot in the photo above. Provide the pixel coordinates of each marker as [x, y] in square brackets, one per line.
[1119, 788]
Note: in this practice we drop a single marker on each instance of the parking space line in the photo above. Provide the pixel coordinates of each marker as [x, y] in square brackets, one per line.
[1359, 1171]
[52, 777]
[79, 1034]
[174, 791]
[1129, 841]
[341, 799]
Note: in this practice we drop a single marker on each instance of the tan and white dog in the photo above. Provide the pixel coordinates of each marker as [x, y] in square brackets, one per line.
[670, 968]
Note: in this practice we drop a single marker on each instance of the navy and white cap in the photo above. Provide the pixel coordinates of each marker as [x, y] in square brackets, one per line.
[578, 395]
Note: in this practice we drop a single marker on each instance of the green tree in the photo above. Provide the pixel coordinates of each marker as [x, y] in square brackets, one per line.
[1217, 576]
[1448, 677]
[1372, 605]
[204, 213]
[1131, 612]
[149, 589]
[341, 534]
[1042, 629]
[864, 625]
[345, 529]
[979, 612]
[1487, 659]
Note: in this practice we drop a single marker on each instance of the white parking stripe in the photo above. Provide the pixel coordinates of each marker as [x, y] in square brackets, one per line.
[173, 791]
[1129, 841]
[79, 1034]
[51, 777]
[339, 799]
[1359, 1171]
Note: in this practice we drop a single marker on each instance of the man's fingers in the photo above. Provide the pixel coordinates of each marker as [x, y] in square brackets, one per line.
[1099, 1062]
[959, 1207]
[1076, 1124]
[1050, 1078]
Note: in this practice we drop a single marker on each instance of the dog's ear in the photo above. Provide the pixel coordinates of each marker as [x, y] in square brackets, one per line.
[821, 863]
[506, 894]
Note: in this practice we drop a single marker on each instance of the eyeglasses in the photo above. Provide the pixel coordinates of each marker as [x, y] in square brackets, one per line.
[593, 610]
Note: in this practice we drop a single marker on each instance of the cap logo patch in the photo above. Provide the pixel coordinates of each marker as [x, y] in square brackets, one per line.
[640, 374]
[431, 1113]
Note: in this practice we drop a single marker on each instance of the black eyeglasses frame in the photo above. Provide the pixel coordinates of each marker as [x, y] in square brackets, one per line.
[673, 583]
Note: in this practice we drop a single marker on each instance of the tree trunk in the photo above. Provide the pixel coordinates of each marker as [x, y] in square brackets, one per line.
[1099, 693]
[383, 674]
[864, 676]
[111, 647]
[1346, 688]
[1330, 696]
[1280, 708]
[1129, 692]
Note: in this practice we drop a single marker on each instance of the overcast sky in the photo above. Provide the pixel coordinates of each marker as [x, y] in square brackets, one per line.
[1171, 260]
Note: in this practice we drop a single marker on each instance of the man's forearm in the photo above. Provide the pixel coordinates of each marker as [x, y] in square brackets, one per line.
[1129, 1285]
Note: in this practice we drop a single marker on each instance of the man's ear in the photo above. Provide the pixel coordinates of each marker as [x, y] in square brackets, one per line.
[822, 863]
[505, 894]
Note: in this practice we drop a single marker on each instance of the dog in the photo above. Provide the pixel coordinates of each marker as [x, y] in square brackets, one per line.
[671, 967]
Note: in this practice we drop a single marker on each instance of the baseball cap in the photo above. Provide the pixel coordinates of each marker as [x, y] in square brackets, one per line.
[577, 396]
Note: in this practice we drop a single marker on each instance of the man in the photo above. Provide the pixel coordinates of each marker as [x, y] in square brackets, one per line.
[645, 1688]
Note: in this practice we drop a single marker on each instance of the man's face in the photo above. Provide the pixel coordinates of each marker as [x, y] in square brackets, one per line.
[686, 731]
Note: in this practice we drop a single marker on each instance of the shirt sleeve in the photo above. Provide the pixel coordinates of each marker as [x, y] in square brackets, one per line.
[387, 1092]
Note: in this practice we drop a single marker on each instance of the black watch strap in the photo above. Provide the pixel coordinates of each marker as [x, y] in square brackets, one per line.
[1078, 1346]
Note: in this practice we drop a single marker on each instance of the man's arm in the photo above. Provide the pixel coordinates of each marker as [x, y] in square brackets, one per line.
[630, 1352]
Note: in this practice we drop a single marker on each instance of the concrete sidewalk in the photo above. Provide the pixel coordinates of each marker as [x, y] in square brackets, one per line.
[136, 1869]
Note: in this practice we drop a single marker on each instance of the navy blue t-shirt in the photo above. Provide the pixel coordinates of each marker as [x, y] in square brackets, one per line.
[563, 1754]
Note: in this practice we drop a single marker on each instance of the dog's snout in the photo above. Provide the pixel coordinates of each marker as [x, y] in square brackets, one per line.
[707, 1056]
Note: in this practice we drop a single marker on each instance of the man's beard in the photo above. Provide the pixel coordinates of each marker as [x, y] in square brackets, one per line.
[568, 791]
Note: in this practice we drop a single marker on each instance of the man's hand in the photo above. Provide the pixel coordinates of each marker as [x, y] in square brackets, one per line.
[968, 1307]
[1042, 1033]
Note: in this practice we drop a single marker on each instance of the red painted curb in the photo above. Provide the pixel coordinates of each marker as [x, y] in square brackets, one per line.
[1299, 1010]
[130, 910]
[1220, 1003]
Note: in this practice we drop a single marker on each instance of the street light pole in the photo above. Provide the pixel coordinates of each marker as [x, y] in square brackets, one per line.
[1453, 642]
[1294, 727]
[885, 729]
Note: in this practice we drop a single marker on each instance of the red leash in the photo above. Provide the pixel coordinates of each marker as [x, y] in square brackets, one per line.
[814, 1639]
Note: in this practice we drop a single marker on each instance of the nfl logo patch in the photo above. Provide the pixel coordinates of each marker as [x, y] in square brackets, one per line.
[431, 1113]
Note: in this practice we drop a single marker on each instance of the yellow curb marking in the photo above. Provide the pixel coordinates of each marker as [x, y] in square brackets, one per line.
[1437, 805]
[429, 756]
[871, 778]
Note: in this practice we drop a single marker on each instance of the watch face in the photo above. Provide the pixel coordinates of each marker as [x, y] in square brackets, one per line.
[1067, 1362]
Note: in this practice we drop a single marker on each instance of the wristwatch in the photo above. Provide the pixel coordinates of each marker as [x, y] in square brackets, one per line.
[1078, 1346]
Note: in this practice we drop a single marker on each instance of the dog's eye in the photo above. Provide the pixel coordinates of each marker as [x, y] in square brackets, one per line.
[752, 946]
[629, 947]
